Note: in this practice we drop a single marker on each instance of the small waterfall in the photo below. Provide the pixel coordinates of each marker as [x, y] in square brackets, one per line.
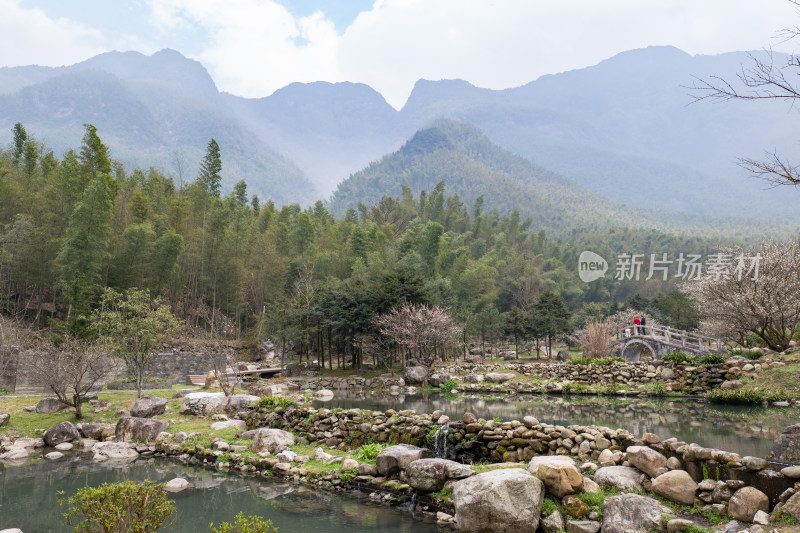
[440, 441]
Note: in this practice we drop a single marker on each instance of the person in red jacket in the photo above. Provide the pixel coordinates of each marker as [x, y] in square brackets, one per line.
[636, 324]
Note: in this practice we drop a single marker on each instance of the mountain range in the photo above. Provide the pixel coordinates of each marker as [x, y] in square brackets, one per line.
[625, 129]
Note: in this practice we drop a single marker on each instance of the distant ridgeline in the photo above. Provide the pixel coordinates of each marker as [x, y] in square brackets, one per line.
[622, 128]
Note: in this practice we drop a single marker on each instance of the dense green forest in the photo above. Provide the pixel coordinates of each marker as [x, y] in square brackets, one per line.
[234, 264]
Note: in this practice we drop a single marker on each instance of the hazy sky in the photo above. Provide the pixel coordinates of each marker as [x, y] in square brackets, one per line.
[253, 47]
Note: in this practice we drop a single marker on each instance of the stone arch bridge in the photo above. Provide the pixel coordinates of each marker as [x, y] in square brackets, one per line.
[659, 341]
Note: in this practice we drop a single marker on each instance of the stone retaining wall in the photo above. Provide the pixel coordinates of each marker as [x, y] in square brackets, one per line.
[172, 367]
[9, 360]
[471, 441]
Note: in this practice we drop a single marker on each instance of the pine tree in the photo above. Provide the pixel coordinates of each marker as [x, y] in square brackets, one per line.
[20, 136]
[94, 154]
[210, 174]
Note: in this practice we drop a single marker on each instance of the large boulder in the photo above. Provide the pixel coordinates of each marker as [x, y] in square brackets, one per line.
[560, 479]
[398, 457]
[533, 465]
[98, 430]
[114, 452]
[150, 406]
[63, 432]
[676, 485]
[240, 402]
[786, 448]
[177, 484]
[632, 513]
[647, 460]
[239, 425]
[431, 474]
[746, 502]
[564, 355]
[499, 377]
[4, 419]
[473, 378]
[271, 440]
[50, 405]
[439, 379]
[201, 403]
[139, 429]
[415, 375]
[499, 501]
[792, 506]
[624, 478]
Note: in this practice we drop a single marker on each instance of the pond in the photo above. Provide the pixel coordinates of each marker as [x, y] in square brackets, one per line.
[745, 430]
[29, 499]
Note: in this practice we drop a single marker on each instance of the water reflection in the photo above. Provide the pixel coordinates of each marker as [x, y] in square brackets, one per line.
[741, 429]
[29, 494]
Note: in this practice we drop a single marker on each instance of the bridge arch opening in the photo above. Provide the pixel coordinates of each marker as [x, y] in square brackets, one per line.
[636, 350]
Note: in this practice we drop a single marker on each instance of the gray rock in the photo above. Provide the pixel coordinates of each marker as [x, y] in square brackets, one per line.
[474, 378]
[239, 425]
[786, 448]
[64, 446]
[564, 355]
[150, 406]
[582, 526]
[499, 377]
[792, 506]
[11, 530]
[63, 432]
[553, 523]
[791, 471]
[746, 502]
[54, 456]
[177, 484]
[140, 429]
[533, 465]
[677, 525]
[5, 418]
[560, 479]
[631, 513]
[676, 485]
[647, 460]
[50, 405]
[324, 395]
[431, 474]
[15, 454]
[114, 452]
[271, 440]
[398, 457]
[621, 477]
[439, 379]
[499, 501]
[415, 375]
[201, 403]
[754, 463]
[240, 402]
[97, 430]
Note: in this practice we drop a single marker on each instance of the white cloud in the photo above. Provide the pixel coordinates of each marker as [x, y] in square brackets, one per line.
[30, 37]
[511, 42]
[257, 46]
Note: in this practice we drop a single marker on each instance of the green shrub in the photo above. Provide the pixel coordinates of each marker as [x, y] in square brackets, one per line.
[711, 359]
[348, 475]
[748, 396]
[566, 388]
[657, 389]
[244, 524]
[676, 357]
[120, 508]
[370, 451]
[449, 385]
[273, 402]
[609, 390]
[549, 507]
[580, 388]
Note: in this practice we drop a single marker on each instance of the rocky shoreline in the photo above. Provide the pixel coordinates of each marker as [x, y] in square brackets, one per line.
[490, 476]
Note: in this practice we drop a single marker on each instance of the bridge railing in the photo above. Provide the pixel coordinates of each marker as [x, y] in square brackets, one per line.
[676, 336]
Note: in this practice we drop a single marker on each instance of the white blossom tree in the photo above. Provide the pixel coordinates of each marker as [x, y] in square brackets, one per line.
[763, 298]
[422, 332]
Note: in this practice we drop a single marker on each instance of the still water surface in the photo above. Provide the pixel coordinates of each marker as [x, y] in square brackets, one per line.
[741, 429]
[29, 499]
